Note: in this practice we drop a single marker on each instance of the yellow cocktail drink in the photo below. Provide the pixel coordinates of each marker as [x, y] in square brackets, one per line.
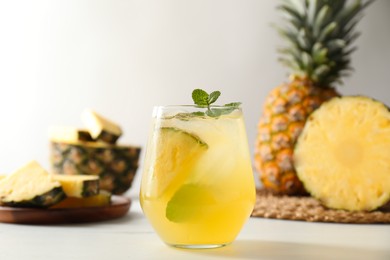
[197, 188]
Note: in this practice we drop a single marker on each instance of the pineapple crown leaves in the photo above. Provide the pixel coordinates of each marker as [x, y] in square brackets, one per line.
[320, 34]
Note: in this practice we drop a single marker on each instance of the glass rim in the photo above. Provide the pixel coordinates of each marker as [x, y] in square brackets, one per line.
[192, 106]
[172, 110]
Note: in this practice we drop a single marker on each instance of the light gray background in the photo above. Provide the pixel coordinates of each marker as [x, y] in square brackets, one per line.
[123, 57]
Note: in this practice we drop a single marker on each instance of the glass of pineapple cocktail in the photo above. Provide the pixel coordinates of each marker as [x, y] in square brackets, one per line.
[197, 187]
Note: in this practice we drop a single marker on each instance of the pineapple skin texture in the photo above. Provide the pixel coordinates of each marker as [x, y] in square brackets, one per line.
[116, 166]
[344, 169]
[285, 112]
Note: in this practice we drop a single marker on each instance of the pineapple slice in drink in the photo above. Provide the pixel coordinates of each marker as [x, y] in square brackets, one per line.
[177, 152]
[343, 154]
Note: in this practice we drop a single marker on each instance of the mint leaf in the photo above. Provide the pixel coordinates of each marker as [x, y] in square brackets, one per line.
[213, 112]
[200, 97]
[227, 110]
[197, 113]
[214, 96]
[216, 112]
[233, 104]
[189, 116]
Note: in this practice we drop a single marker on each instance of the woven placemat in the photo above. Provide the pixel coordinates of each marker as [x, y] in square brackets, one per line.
[310, 209]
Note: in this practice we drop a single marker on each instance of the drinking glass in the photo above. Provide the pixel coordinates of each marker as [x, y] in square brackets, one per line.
[197, 186]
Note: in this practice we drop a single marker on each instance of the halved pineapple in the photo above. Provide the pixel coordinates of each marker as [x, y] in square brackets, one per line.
[343, 154]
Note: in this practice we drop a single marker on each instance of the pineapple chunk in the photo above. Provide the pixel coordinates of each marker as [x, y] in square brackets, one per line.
[30, 186]
[99, 200]
[68, 134]
[343, 154]
[78, 186]
[101, 128]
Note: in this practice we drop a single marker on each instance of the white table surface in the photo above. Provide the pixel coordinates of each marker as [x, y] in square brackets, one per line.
[131, 237]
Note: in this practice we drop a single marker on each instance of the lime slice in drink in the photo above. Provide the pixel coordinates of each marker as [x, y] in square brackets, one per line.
[189, 202]
[177, 152]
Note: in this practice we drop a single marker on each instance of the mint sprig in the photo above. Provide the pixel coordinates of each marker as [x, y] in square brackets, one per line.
[203, 99]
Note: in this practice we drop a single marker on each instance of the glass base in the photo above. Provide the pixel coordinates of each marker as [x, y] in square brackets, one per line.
[205, 246]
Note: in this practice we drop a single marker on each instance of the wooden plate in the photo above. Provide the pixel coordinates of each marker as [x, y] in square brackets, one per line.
[119, 207]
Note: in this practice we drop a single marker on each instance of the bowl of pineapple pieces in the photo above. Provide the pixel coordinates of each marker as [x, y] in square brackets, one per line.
[94, 151]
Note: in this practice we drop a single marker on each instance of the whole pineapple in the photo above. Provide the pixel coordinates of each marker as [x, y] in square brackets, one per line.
[320, 34]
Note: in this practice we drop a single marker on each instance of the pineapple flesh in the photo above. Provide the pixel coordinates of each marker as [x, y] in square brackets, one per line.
[101, 128]
[343, 154]
[30, 186]
[69, 134]
[320, 35]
